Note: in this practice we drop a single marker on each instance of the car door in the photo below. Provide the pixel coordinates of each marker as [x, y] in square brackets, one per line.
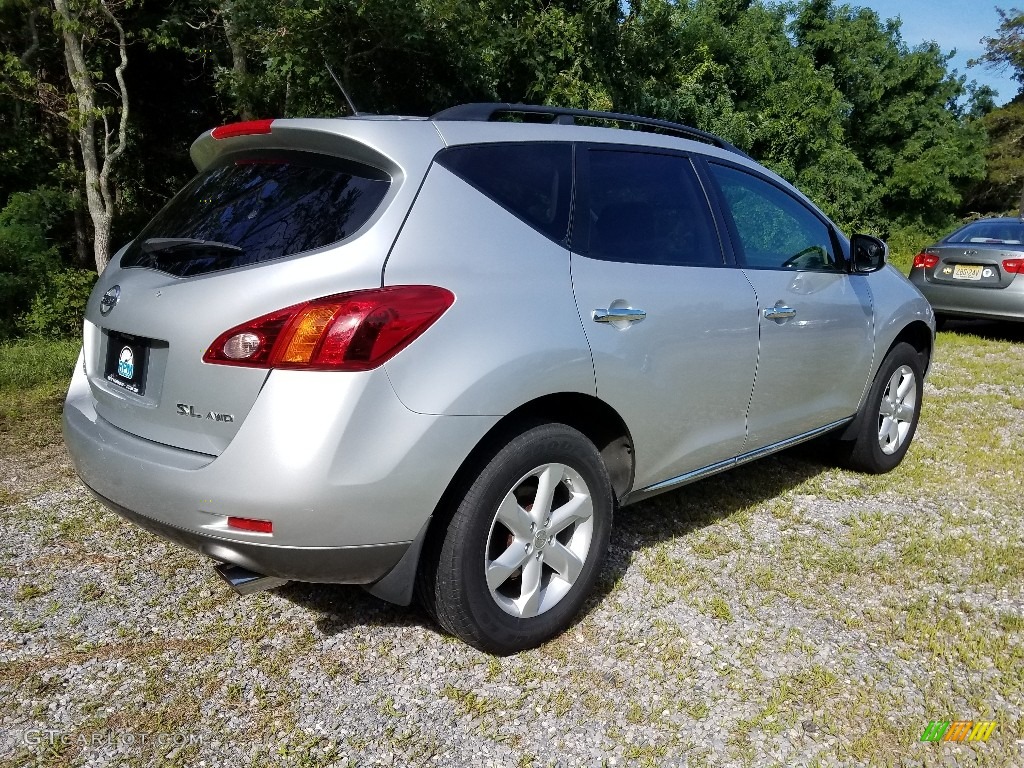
[672, 327]
[816, 336]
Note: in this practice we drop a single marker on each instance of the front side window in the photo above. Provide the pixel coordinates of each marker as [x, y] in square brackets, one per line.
[531, 181]
[648, 208]
[776, 230]
[254, 208]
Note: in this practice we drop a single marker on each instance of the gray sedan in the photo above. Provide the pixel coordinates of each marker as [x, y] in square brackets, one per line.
[973, 273]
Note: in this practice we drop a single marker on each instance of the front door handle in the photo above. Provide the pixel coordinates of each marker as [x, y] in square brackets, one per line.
[618, 313]
[778, 312]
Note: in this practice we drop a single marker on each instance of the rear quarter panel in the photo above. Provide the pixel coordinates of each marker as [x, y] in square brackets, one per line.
[513, 333]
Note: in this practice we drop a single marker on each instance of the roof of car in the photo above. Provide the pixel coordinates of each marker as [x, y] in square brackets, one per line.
[489, 112]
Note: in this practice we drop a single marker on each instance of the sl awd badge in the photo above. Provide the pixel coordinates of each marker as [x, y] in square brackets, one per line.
[184, 409]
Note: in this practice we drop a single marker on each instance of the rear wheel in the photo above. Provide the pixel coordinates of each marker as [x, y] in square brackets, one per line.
[524, 544]
[888, 418]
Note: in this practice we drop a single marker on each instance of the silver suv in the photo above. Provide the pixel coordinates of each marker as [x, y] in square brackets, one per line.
[433, 355]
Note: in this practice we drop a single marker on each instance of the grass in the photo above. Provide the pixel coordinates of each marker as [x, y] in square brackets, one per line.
[837, 614]
[34, 378]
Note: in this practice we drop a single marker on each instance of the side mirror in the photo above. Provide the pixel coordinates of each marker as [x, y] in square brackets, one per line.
[867, 254]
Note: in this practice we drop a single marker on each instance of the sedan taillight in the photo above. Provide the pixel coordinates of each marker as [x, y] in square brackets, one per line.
[355, 331]
[1013, 265]
[926, 260]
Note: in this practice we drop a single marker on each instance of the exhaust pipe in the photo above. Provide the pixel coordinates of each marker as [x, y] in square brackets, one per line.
[246, 582]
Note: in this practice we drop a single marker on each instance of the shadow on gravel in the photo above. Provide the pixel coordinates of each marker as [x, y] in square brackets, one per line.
[342, 607]
[637, 527]
[697, 505]
[987, 329]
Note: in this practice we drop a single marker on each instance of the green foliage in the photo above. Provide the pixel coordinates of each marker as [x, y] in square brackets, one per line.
[906, 240]
[1007, 48]
[1004, 183]
[58, 308]
[26, 256]
[1003, 187]
[28, 364]
[828, 95]
[919, 149]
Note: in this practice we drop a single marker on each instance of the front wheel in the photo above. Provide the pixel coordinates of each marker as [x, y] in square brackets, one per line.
[889, 416]
[524, 544]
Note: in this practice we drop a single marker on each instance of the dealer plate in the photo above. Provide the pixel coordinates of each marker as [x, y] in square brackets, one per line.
[126, 362]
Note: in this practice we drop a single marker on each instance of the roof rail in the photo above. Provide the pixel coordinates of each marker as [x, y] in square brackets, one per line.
[485, 112]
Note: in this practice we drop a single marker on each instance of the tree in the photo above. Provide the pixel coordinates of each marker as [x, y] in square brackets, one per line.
[1007, 48]
[102, 128]
[905, 121]
[1003, 187]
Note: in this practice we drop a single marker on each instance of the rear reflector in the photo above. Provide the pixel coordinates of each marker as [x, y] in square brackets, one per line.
[926, 260]
[355, 331]
[1013, 265]
[248, 128]
[250, 524]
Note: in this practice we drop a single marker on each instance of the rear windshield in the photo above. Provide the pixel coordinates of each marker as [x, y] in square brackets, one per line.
[998, 232]
[255, 208]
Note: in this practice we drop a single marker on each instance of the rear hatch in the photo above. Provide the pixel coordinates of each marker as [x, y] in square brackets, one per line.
[279, 213]
[974, 265]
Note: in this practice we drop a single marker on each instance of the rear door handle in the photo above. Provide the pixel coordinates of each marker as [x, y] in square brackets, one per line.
[618, 313]
[778, 312]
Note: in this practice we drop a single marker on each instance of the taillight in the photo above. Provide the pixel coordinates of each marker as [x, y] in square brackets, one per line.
[926, 260]
[248, 128]
[1013, 265]
[355, 331]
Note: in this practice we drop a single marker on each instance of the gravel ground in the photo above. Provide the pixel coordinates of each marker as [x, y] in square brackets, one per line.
[783, 614]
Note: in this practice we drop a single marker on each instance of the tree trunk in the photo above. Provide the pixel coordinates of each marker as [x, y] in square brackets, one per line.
[78, 214]
[98, 155]
[239, 67]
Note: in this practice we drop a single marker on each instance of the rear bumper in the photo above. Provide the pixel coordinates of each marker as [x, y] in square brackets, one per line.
[971, 301]
[347, 475]
[343, 565]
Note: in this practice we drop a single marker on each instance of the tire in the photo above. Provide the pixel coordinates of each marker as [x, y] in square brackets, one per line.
[507, 574]
[889, 415]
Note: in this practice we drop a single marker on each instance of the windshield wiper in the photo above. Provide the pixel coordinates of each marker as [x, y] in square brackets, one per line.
[153, 244]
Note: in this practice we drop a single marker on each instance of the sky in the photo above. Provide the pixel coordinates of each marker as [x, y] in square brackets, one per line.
[953, 24]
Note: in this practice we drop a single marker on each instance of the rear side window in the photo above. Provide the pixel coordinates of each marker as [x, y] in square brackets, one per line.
[531, 181]
[776, 230]
[648, 208]
[255, 208]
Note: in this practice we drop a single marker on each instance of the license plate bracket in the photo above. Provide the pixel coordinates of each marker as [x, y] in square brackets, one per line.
[126, 362]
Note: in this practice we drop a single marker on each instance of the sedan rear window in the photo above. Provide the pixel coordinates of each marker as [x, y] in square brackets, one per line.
[997, 232]
[255, 208]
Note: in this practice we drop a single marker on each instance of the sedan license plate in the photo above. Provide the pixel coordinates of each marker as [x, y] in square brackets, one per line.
[967, 272]
[126, 362]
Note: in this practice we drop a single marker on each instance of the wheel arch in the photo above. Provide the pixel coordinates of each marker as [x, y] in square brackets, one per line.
[917, 334]
[597, 420]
